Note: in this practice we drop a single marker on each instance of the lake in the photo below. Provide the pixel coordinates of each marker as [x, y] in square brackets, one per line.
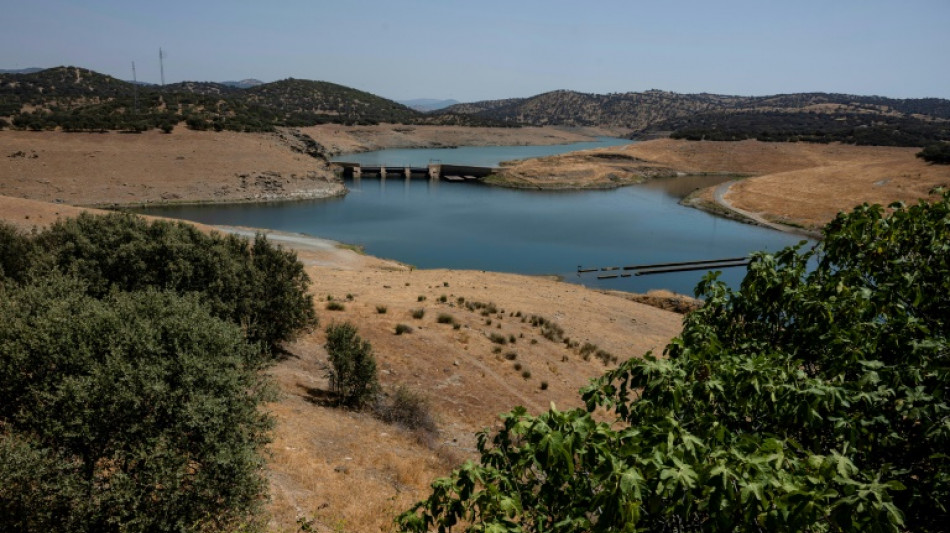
[477, 227]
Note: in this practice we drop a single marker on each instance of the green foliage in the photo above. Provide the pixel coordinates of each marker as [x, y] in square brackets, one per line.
[136, 412]
[403, 328]
[813, 398]
[418, 313]
[936, 153]
[256, 285]
[16, 249]
[352, 366]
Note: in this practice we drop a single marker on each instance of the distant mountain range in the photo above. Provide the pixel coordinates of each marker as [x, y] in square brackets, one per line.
[427, 104]
[20, 70]
[79, 99]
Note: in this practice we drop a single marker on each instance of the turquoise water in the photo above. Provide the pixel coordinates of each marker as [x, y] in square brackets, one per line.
[477, 227]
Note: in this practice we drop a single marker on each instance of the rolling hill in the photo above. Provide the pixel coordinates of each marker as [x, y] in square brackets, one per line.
[818, 117]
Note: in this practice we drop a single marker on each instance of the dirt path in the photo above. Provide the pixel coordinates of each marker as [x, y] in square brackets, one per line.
[719, 194]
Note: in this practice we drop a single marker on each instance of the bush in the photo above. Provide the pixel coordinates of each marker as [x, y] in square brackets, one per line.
[408, 409]
[936, 153]
[498, 338]
[335, 306]
[813, 398]
[352, 366]
[140, 411]
[16, 253]
[256, 285]
[403, 328]
[418, 313]
[381, 309]
[445, 318]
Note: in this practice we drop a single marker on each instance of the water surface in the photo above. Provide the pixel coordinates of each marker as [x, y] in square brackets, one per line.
[477, 227]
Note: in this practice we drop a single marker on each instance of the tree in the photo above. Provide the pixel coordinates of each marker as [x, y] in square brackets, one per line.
[813, 398]
[352, 373]
[137, 412]
[258, 286]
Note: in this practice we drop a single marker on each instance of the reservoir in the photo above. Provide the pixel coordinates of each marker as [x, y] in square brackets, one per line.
[470, 226]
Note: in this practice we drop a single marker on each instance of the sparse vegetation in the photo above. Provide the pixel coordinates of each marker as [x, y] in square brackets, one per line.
[408, 409]
[381, 309]
[418, 313]
[403, 328]
[445, 318]
[498, 338]
[511, 356]
[335, 306]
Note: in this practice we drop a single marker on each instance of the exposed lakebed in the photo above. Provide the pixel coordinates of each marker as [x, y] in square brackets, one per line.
[476, 227]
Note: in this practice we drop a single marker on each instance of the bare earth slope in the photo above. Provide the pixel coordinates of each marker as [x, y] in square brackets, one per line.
[184, 166]
[338, 139]
[800, 184]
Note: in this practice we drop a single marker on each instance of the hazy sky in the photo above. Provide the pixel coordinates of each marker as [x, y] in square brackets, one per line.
[484, 49]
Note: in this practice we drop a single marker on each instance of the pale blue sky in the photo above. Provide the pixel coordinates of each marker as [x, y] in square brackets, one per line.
[482, 49]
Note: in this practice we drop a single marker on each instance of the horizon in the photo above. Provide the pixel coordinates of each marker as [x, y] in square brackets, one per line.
[424, 49]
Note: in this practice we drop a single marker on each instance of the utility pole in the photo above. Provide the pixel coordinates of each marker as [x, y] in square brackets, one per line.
[135, 91]
[161, 64]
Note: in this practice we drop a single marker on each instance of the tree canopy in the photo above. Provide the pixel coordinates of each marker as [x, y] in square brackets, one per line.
[812, 398]
[130, 383]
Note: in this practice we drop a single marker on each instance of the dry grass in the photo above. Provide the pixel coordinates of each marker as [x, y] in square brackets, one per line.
[468, 385]
[341, 139]
[799, 184]
[184, 166]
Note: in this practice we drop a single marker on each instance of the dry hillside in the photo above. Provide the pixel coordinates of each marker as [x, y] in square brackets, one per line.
[800, 184]
[348, 471]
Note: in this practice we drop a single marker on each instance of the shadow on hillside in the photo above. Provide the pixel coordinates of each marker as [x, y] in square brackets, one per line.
[316, 396]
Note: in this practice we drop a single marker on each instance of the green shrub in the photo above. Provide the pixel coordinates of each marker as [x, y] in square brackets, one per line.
[140, 411]
[418, 313]
[421, 298]
[511, 356]
[352, 366]
[526, 374]
[938, 153]
[381, 309]
[498, 338]
[256, 285]
[16, 253]
[544, 385]
[445, 318]
[403, 328]
[335, 306]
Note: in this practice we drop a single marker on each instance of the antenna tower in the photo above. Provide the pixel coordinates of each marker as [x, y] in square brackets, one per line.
[161, 64]
[135, 91]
